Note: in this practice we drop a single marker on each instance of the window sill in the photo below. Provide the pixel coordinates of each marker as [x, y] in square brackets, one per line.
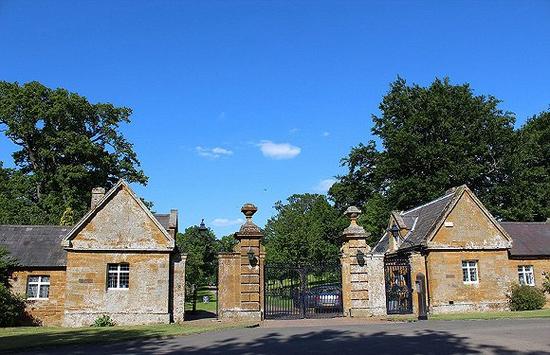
[117, 289]
[470, 282]
[37, 299]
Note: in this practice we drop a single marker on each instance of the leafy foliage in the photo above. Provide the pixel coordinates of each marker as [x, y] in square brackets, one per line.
[305, 229]
[67, 146]
[440, 136]
[6, 264]
[526, 298]
[227, 243]
[12, 308]
[103, 321]
[546, 282]
[202, 249]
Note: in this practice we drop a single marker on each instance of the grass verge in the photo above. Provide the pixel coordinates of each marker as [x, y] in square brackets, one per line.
[19, 338]
[540, 313]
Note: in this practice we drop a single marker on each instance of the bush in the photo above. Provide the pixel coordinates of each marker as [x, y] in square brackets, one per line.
[526, 298]
[12, 308]
[104, 321]
[546, 282]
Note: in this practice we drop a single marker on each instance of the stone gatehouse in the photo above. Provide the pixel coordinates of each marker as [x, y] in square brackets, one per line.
[119, 260]
[467, 258]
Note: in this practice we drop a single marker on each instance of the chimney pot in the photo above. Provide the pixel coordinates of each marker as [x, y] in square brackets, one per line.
[97, 195]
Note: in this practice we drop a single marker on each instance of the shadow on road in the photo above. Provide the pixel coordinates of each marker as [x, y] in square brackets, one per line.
[313, 342]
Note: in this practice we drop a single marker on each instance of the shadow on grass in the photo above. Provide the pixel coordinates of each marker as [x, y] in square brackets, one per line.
[199, 314]
[314, 342]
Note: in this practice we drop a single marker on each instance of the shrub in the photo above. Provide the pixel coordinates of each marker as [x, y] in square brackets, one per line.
[546, 282]
[103, 321]
[12, 308]
[526, 298]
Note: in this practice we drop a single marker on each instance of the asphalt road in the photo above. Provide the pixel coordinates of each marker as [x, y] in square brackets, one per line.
[429, 337]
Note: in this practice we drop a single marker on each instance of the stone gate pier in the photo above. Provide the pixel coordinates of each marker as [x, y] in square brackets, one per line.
[241, 273]
[363, 288]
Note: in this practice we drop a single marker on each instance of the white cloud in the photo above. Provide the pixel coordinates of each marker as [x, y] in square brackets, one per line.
[326, 134]
[214, 153]
[225, 222]
[279, 150]
[324, 185]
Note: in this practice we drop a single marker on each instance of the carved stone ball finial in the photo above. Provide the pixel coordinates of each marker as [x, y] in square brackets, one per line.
[248, 210]
[353, 213]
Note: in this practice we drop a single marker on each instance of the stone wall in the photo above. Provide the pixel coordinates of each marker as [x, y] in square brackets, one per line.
[418, 266]
[177, 286]
[48, 312]
[146, 300]
[448, 293]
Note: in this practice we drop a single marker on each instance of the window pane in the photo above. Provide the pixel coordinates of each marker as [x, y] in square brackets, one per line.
[521, 279]
[465, 275]
[44, 291]
[45, 279]
[529, 279]
[32, 291]
[124, 267]
[124, 280]
[33, 278]
[473, 275]
[464, 264]
[112, 281]
[113, 267]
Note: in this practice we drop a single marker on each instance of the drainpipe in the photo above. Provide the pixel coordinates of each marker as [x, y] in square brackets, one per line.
[425, 253]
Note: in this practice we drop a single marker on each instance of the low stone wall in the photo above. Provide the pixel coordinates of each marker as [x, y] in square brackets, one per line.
[85, 319]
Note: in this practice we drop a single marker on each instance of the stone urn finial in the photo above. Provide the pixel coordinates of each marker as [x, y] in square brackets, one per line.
[248, 210]
[353, 213]
[249, 229]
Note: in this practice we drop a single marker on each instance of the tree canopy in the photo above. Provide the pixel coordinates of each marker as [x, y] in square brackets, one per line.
[440, 136]
[202, 249]
[66, 146]
[305, 229]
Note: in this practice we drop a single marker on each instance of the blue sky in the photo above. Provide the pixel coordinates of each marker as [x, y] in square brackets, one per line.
[252, 101]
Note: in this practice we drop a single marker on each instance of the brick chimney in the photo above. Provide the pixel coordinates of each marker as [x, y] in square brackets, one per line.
[97, 195]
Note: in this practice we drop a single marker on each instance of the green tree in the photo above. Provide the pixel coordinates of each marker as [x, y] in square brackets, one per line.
[67, 146]
[227, 243]
[201, 265]
[6, 264]
[305, 229]
[525, 194]
[431, 138]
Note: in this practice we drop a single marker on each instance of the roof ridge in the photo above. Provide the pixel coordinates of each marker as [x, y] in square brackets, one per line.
[428, 203]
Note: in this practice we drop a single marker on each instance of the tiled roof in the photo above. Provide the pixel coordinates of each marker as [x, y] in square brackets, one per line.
[40, 246]
[529, 238]
[35, 245]
[420, 221]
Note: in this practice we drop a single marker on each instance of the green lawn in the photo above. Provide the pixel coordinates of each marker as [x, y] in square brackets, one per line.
[201, 306]
[541, 313]
[31, 337]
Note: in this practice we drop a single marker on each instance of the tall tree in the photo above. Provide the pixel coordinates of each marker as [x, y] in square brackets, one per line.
[201, 248]
[525, 194]
[305, 229]
[432, 138]
[67, 146]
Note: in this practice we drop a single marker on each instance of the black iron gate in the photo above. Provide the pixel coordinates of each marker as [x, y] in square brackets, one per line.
[303, 291]
[398, 285]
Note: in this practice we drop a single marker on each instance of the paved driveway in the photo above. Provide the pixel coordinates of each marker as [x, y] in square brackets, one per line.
[429, 337]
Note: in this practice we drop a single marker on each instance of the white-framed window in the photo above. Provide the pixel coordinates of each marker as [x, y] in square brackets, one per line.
[38, 287]
[118, 276]
[526, 275]
[469, 271]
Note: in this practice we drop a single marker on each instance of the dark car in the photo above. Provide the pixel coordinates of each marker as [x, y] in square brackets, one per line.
[325, 297]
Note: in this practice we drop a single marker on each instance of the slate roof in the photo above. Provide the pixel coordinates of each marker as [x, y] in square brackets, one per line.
[35, 245]
[529, 238]
[41, 246]
[164, 220]
[420, 221]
